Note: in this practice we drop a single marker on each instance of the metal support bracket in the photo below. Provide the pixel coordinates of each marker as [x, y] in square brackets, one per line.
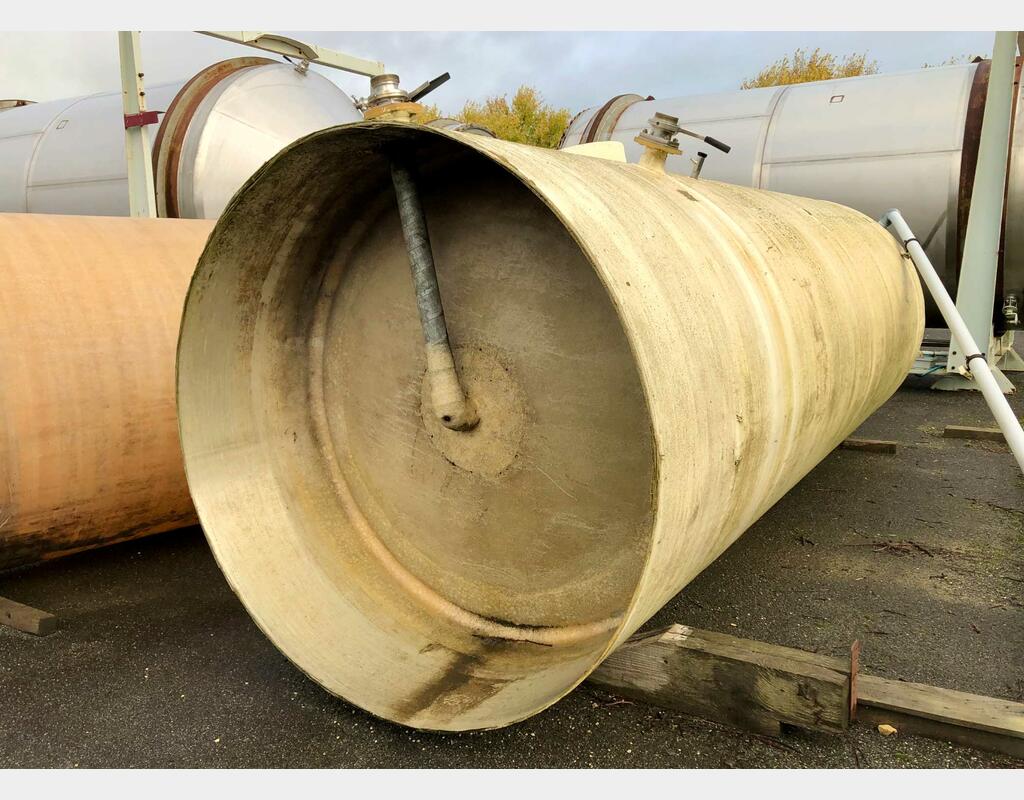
[309, 53]
[137, 148]
[1008, 360]
[140, 119]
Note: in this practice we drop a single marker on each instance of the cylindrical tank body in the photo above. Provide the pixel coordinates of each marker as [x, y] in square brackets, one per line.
[907, 140]
[89, 317]
[654, 361]
[68, 156]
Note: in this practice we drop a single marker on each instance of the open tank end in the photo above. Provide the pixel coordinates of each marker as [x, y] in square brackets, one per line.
[377, 545]
[651, 362]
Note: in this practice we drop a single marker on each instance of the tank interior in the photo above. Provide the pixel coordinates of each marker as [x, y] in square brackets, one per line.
[517, 542]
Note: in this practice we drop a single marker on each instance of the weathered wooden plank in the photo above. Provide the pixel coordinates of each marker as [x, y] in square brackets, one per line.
[987, 723]
[965, 432]
[25, 618]
[746, 684]
[869, 445]
[758, 686]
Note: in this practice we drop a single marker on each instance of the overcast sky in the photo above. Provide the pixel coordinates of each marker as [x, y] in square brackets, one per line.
[574, 70]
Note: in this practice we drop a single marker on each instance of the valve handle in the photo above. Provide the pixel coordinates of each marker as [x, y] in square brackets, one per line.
[426, 88]
[717, 144]
[711, 140]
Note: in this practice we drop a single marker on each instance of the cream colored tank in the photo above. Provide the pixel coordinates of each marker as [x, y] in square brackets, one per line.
[89, 317]
[655, 361]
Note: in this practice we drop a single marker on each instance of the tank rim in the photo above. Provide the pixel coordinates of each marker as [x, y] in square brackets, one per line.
[170, 136]
[612, 633]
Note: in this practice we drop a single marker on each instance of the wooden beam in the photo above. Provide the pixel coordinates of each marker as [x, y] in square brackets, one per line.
[759, 687]
[965, 432]
[25, 618]
[987, 723]
[745, 684]
[869, 445]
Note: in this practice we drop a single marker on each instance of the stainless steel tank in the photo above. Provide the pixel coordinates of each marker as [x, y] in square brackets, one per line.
[654, 361]
[68, 156]
[874, 142]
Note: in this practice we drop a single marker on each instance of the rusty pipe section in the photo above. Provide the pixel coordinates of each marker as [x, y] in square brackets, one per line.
[447, 398]
[89, 315]
[656, 360]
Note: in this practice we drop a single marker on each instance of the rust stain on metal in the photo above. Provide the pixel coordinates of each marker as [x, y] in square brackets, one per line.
[968, 168]
[969, 153]
[997, 316]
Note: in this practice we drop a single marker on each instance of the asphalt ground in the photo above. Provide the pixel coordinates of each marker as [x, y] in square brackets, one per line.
[919, 555]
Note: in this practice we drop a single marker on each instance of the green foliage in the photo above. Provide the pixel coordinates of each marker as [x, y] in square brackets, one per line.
[802, 67]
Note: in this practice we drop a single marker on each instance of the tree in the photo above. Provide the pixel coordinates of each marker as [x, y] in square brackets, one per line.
[430, 113]
[527, 119]
[818, 66]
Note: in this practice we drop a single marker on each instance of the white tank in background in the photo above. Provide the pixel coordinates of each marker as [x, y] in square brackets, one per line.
[874, 142]
[217, 129]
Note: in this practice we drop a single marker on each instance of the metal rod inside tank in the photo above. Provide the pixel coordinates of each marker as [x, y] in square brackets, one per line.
[450, 403]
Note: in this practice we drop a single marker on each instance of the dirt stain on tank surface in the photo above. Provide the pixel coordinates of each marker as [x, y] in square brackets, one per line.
[462, 685]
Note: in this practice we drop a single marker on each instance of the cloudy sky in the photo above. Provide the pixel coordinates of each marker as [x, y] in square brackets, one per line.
[573, 70]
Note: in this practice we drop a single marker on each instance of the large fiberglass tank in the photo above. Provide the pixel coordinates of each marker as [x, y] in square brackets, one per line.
[873, 142]
[68, 157]
[654, 361]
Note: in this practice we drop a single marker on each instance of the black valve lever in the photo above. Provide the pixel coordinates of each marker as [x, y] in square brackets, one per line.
[426, 88]
[717, 144]
[711, 140]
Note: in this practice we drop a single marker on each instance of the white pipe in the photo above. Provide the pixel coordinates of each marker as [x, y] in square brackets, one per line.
[976, 363]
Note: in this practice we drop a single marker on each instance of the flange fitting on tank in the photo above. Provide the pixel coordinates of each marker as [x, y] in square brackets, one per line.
[659, 142]
[389, 101]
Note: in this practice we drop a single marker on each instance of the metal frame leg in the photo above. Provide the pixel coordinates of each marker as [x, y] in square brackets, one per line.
[976, 288]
